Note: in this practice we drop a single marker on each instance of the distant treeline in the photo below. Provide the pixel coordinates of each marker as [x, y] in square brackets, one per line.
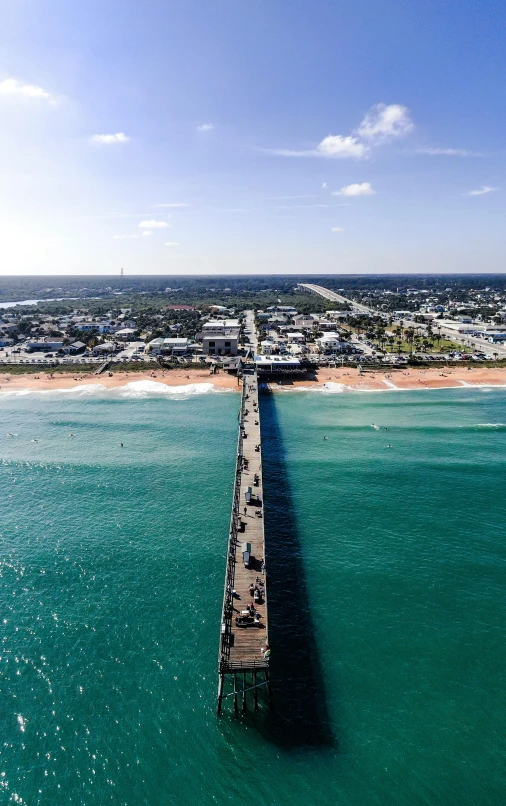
[206, 287]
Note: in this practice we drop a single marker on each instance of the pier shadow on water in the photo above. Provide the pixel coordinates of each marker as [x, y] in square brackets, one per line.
[301, 713]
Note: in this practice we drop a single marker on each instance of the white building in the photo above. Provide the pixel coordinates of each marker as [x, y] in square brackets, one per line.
[276, 363]
[221, 327]
[106, 347]
[332, 343]
[174, 346]
[125, 334]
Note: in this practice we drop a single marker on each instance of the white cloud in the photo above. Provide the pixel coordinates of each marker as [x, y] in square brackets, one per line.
[153, 224]
[342, 147]
[110, 139]
[13, 87]
[171, 243]
[337, 229]
[447, 152]
[205, 127]
[324, 186]
[383, 123]
[147, 233]
[124, 237]
[481, 191]
[356, 189]
[335, 146]
[172, 204]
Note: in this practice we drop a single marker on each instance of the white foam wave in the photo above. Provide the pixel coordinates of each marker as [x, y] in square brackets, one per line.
[490, 425]
[132, 389]
[82, 391]
[145, 388]
[334, 388]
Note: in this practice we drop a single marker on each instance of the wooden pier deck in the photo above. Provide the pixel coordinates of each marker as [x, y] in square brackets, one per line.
[242, 648]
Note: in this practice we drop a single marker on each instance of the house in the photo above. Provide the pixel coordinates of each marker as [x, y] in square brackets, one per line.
[303, 320]
[296, 336]
[268, 347]
[75, 348]
[106, 347]
[125, 334]
[6, 342]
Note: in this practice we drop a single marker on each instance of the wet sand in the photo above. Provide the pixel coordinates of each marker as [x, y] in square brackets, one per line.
[349, 378]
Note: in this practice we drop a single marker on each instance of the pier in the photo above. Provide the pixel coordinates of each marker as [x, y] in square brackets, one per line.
[243, 665]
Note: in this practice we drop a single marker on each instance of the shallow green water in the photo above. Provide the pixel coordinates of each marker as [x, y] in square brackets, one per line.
[387, 600]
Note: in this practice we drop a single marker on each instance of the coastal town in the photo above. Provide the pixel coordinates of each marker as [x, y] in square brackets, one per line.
[321, 325]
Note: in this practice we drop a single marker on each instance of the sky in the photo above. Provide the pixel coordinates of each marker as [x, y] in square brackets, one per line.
[189, 136]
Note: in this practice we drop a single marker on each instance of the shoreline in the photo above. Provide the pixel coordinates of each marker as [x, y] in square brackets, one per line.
[329, 380]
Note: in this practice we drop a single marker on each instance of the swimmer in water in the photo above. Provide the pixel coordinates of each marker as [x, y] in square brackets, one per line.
[121, 444]
[71, 434]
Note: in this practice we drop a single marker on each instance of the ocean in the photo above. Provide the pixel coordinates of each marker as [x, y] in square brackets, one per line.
[385, 522]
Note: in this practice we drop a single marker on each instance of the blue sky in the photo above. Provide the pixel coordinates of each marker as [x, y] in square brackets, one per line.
[220, 137]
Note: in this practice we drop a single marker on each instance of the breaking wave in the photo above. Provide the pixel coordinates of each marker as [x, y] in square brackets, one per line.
[132, 389]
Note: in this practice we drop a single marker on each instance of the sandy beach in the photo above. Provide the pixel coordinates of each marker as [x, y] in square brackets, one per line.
[347, 378]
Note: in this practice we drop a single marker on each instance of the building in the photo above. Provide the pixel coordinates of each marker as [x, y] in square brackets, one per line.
[303, 320]
[75, 348]
[6, 342]
[220, 337]
[221, 327]
[52, 345]
[220, 345]
[106, 347]
[272, 364]
[172, 346]
[125, 334]
[333, 343]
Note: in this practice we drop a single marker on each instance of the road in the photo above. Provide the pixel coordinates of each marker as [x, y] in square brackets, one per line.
[250, 331]
[333, 297]
[460, 338]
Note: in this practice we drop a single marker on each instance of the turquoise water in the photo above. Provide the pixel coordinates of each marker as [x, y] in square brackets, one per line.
[387, 601]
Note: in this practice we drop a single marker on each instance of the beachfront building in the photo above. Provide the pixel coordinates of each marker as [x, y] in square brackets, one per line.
[333, 343]
[75, 348]
[220, 345]
[49, 344]
[104, 349]
[272, 364]
[172, 346]
[220, 337]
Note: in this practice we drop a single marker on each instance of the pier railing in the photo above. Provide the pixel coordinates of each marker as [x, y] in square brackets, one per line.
[228, 596]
